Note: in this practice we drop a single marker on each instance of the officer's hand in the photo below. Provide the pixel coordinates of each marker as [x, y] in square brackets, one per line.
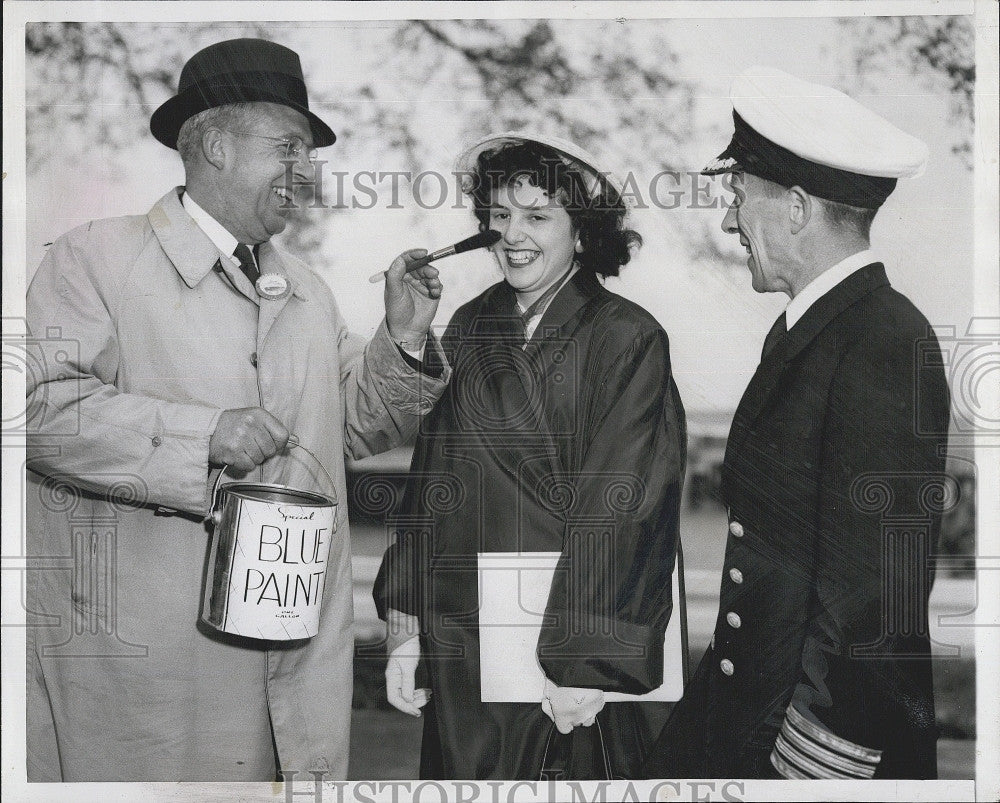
[568, 706]
[245, 438]
[400, 678]
[411, 299]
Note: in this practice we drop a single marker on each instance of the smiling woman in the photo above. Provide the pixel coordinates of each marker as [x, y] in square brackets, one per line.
[536, 246]
[562, 412]
[543, 172]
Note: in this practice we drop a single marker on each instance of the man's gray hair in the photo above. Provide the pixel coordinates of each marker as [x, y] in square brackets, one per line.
[857, 218]
[232, 117]
[853, 217]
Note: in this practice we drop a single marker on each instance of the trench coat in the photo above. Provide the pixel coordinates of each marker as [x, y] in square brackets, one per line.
[574, 444]
[820, 665]
[144, 335]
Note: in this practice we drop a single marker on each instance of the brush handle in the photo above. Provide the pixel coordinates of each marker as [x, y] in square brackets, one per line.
[482, 240]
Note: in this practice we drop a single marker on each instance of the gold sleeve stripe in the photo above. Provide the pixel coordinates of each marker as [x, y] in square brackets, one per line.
[807, 750]
[816, 765]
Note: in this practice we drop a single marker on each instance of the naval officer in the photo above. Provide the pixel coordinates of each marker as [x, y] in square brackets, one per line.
[820, 664]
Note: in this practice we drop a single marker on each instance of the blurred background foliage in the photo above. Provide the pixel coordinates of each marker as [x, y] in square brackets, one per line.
[941, 50]
[617, 87]
[590, 81]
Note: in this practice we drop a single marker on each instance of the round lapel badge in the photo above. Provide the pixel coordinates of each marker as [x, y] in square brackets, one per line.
[272, 286]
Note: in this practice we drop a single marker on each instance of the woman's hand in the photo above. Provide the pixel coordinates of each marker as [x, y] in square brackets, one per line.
[403, 643]
[400, 678]
[568, 707]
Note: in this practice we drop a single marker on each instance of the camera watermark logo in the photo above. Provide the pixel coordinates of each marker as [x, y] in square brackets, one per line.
[500, 389]
[971, 362]
[75, 596]
[39, 361]
[908, 504]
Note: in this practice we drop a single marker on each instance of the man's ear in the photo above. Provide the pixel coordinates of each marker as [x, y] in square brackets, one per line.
[213, 148]
[800, 208]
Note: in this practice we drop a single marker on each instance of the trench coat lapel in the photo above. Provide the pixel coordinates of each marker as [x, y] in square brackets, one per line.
[768, 376]
[188, 248]
[270, 261]
[194, 255]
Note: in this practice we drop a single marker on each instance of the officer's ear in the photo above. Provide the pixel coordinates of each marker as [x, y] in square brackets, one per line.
[800, 208]
[213, 148]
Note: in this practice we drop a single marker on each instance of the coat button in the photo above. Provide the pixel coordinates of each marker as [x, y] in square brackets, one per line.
[736, 576]
[733, 619]
[157, 440]
[736, 529]
[253, 359]
[727, 667]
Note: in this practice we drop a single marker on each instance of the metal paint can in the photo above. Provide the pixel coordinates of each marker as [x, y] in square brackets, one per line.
[267, 564]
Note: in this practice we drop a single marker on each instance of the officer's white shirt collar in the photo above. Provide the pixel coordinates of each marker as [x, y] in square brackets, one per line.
[214, 230]
[824, 283]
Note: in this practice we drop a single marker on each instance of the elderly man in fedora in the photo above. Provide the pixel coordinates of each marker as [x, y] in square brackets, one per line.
[820, 665]
[192, 343]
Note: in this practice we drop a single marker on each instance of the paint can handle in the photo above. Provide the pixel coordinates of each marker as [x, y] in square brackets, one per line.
[216, 515]
[293, 440]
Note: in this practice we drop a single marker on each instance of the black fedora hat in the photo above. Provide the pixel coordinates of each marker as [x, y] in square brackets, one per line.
[237, 71]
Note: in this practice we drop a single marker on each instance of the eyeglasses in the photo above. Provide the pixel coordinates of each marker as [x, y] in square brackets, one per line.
[293, 147]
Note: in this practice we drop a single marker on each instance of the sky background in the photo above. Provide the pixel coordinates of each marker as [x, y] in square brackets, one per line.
[715, 321]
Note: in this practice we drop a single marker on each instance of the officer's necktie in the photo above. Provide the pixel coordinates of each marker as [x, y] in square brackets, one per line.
[778, 330]
[247, 263]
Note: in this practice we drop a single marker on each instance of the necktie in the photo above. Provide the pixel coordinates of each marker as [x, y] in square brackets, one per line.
[777, 332]
[247, 263]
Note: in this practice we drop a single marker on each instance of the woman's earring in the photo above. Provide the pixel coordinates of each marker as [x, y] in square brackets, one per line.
[578, 247]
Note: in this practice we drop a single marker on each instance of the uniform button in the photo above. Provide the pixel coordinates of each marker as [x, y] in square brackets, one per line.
[736, 576]
[736, 529]
[726, 666]
[157, 440]
[733, 619]
[253, 359]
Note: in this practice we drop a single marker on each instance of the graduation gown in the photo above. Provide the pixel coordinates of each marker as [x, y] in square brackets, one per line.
[820, 666]
[573, 444]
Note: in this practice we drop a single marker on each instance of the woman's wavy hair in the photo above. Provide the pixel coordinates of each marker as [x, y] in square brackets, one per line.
[599, 222]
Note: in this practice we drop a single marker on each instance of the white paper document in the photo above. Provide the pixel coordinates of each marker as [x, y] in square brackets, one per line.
[513, 592]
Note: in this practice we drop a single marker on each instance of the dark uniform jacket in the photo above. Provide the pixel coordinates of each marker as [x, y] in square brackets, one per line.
[820, 663]
[574, 444]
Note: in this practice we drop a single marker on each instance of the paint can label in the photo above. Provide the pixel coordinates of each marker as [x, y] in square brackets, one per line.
[270, 573]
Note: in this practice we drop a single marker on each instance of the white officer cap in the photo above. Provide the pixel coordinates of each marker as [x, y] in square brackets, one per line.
[794, 132]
